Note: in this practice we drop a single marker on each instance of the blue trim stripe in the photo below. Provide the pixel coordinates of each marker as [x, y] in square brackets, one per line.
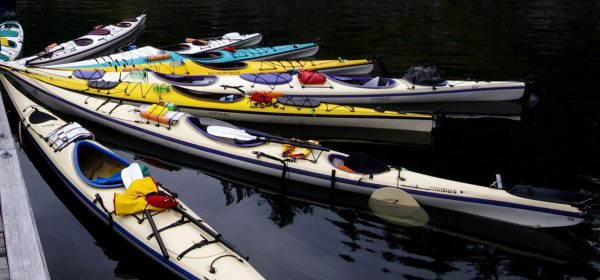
[317, 175]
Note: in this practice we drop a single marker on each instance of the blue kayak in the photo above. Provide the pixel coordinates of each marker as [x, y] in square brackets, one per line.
[260, 53]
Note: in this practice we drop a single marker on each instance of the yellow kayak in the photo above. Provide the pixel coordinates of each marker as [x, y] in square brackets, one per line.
[172, 63]
[268, 107]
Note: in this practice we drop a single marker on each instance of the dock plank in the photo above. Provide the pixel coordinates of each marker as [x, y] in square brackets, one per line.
[24, 254]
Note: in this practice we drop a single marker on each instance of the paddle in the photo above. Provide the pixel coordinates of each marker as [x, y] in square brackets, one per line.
[398, 207]
[229, 132]
[251, 135]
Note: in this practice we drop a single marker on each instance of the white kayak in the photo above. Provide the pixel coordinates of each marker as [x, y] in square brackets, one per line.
[175, 237]
[97, 41]
[306, 162]
[350, 89]
[325, 87]
[11, 40]
[233, 39]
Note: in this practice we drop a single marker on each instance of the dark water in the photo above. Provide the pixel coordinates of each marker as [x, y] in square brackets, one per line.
[319, 237]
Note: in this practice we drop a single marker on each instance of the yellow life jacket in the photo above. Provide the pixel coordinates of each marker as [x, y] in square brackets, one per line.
[133, 200]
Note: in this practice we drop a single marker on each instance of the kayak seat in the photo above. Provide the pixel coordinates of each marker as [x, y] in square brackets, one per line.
[83, 42]
[102, 84]
[88, 74]
[115, 178]
[100, 32]
[358, 162]
[268, 78]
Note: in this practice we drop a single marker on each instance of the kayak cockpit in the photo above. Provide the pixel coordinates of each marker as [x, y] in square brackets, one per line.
[358, 163]
[365, 82]
[97, 166]
[37, 117]
[204, 125]
[176, 48]
[206, 55]
[209, 96]
[189, 80]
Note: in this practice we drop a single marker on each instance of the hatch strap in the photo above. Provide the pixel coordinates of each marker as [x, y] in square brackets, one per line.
[101, 202]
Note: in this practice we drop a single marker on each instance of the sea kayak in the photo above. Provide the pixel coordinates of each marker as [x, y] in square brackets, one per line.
[174, 236]
[97, 41]
[172, 63]
[325, 87]
[301, 161]
[11, 40]
[257, 54]
[233, 39]
[339, 89]
[262, 107]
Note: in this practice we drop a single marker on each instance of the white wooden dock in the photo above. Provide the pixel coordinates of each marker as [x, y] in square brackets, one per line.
[21, 254]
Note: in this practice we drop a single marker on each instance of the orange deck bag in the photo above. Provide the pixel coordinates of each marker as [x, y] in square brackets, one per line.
[133, 200]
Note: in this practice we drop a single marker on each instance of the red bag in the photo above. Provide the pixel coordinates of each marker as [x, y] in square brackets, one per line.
[311, 78]
[264, 96]
[161, 199]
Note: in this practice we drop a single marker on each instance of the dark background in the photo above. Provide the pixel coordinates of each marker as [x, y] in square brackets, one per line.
[551, 146]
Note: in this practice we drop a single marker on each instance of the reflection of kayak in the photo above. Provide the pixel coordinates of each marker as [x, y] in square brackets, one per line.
[172, 63]
[100, 39]
[303, 161]
[191, 250]
[259, 108]
[233, 39]
[257, 53]
[11, 40]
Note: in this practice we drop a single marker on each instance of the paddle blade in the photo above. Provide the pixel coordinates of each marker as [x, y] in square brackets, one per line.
[229, 132]
[397, 207]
